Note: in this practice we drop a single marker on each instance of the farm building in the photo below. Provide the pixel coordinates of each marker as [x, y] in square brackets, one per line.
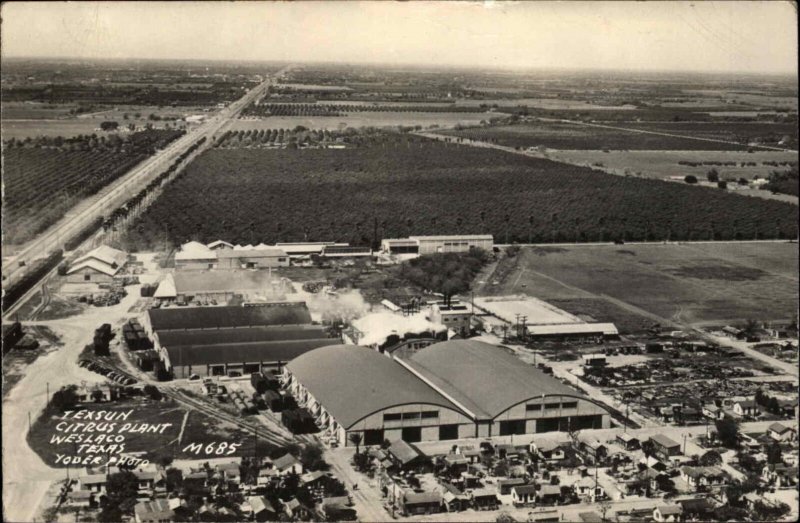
[219, 286]
[220, 341]
[445, 391]
[542, 320]
[194, 256]
[433, 244]
[252, 257]
[98, 266]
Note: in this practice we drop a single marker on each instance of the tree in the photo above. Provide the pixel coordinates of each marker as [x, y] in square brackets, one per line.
[713, 176]
[690, 178]
[774, 453]
[648, 448]
[64, 399]
[722, 184]
[174, 479]
[728, 432]
[121, 491]
[109, 126]
[710, 458]
[153, 392]
[311, 457]
[355, 438]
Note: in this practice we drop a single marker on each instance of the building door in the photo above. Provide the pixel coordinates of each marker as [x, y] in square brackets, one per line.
[447, 432]
[217, 370]
[514, 426]
[412, 434]
[373, 437]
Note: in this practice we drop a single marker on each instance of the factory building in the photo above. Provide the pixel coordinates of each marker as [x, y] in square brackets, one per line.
[433, 244]
[448, 390]
[97, 266]
[230, 341]
[222, 255]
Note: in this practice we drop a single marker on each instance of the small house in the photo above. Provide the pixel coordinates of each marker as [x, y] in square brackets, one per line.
[484, 499]
[703, 476]
[548, 450]
[417, 503]
[548, 495]
[667, 513]
[297, 511]
[157, 511]
[696, 509]
[504, 486]
[93, 483]
[287, 464]
[230, 472]
[405, 456]
[522, 495]
[746, 408]
[711, 411]
[80, 498]
[665, 447]
[780, 432]
[779, 474]
[628, 442]
[453, 499]
[337, 508]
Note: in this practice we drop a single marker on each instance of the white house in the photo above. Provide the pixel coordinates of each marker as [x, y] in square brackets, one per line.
[747, 408]
[288, 464]
[780, 432]
[667, 513]
[523, 495]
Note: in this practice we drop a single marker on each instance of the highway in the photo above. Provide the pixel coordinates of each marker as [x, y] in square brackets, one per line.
[119, 191]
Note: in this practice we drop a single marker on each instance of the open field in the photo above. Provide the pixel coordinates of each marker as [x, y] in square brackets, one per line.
[688, 283]
[396, 185]
[561, 135]
[21, 129]
[374, 119]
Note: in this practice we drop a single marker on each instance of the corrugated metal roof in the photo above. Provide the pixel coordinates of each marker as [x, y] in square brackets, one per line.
[352, 382]
[187, 282]
[240, 335]
[107, 255]
[294, 313]
[261, 351]
[472, 372]
[608, 329]
[96, 265]
[243, 252]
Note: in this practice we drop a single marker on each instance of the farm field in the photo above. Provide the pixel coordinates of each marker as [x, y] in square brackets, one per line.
[402, 184]
[742, 132]
[557, 135]
[44, 179]
[363, 119]
[691, 283]
[21, 129]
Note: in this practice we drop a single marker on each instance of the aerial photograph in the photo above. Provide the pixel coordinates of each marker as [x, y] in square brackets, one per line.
[421, 261]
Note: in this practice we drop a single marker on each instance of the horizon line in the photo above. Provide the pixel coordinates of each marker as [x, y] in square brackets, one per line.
[473, 67]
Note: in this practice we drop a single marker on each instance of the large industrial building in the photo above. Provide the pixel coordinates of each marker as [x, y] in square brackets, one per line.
[229, 341]
[446, 391]
[97, 266]
[433, 244]
[221, 286]
[221, 255]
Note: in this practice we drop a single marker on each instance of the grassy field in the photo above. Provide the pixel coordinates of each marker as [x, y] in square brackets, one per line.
[558, 135]
[688, 283]
[365, 119]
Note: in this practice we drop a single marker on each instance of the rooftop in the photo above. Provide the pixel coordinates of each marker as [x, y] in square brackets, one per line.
[468, 372]
[352, 382]
[230, 316]
[253, 352]
[187, 282]
[664, 441]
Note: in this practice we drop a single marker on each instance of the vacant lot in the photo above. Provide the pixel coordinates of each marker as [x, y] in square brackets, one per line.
[362, 119]
[687, 283]
[558, 135]
[409, 185]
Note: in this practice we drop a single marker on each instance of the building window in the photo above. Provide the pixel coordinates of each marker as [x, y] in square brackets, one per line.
[392, 417]
[281, 260]
[533, 408]
[87, 277]
[428, 414]
[448, 432]
[552, 405]
[410, 415]
[569, 405]
[516, 426]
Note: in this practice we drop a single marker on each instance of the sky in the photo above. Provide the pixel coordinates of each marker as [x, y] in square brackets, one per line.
[758, 37]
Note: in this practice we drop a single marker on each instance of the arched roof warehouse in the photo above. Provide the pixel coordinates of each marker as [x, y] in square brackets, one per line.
[484, 379]
[352, 382]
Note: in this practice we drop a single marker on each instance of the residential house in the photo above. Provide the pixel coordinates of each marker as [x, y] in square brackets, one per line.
[548, 495]
[287, 464]
[746, 408]
[337, 508]
[453, 499]
[703, 476]
[667, 513]
[507, 451]
[93, 483]
[523, 495]
[711, 411]
[405, 456]
[156, 511]
[628, 442]
[780, 432]
[416, 503]
[548, 450]
[261, 509]
[594, 450]
[504, 486]
[484, 499]
[665, 447]
[297, 511]
[150, 481]
[588, 488]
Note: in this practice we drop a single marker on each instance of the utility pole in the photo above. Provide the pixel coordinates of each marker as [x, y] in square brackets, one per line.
[29, 422]
[48, 393]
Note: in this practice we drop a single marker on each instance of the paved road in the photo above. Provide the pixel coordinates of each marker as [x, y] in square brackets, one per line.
[119, 191]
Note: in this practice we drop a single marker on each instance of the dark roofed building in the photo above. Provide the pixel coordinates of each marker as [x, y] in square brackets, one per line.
[188, 318]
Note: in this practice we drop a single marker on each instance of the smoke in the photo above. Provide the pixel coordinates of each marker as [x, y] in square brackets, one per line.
[378, 326]
[344, 305]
